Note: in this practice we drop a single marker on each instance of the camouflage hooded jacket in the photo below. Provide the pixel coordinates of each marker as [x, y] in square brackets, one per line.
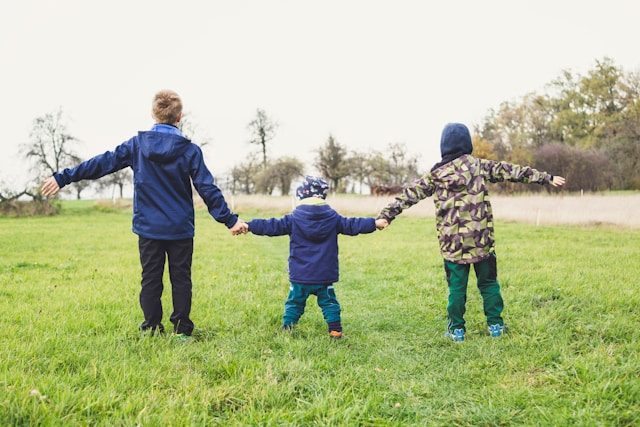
[464, 219]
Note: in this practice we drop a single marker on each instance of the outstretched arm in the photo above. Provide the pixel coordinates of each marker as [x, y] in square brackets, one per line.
[504, 171]
[270, 227]
[355, 226]
[411, 194]
[96, 167]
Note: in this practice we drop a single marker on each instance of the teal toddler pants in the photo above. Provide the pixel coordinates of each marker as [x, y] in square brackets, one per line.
[297, 300]
[457, 279]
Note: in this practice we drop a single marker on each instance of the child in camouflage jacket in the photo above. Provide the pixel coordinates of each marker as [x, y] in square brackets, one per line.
[464, 221]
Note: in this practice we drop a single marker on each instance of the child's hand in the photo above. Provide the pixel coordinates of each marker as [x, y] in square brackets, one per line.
[239, 227]
[50, 187]
[381, 224]
[557, 181]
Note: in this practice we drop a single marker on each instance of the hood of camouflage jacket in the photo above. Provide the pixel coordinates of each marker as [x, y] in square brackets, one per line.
[454, 142]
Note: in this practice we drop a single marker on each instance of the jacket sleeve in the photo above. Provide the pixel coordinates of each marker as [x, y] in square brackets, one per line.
[355, 226]
[207, 189]
[503, 171]
[271, 227]
[411, 195]
[98, 166]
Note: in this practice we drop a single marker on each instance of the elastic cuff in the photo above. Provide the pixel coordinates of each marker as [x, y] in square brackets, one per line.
[232, 223]
[335, 326]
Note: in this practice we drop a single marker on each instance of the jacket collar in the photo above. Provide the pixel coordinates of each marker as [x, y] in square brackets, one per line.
[312, 201]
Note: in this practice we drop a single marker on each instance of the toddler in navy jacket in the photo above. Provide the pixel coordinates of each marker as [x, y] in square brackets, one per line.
[313, 229]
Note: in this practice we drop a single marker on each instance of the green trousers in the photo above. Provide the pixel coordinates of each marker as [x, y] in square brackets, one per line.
[297, 301]
[457, 279]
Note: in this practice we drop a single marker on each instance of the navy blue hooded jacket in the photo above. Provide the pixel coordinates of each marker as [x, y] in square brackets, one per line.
[164, 165]
[313, 241]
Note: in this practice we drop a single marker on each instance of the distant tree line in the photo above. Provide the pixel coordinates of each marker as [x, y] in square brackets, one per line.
[583, 127]
[345, 171]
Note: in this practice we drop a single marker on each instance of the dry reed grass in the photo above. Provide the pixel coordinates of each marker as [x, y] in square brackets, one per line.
[542, 209]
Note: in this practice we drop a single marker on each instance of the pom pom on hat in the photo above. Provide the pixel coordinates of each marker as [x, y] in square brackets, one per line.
[312, 186]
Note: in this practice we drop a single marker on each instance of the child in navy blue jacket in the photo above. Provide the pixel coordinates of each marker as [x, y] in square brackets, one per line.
[313, 229]
[165, 164]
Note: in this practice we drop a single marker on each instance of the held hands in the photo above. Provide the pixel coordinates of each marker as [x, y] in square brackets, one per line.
[381, 223]
[239, 227]
[557, 181]
[50, 187]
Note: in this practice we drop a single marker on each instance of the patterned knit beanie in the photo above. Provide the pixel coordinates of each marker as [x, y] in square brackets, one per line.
[312, 186]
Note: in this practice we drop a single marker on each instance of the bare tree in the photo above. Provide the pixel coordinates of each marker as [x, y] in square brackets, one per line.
[243, 177]
[286, 170]
[378, 173]
[191, 130]
[386, 172]
[403, 167]
[80, 186]
[359, 170]
[51, 146]
[262, 130]
[116, 180]
[266, 180]
[9, 195]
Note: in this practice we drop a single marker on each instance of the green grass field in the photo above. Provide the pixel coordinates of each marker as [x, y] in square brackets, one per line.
[71, 355]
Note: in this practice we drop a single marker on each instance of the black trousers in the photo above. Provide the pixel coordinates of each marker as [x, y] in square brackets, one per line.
[153, 253]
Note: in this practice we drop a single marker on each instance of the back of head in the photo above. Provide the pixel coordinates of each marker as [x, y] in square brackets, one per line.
[455, 141]
[312, 186]
[167, 107]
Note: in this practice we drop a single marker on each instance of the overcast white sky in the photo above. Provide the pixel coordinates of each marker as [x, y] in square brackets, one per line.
[368, 72]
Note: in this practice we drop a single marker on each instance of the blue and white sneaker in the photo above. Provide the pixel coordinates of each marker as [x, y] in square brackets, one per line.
[456, 336]
[497, 330]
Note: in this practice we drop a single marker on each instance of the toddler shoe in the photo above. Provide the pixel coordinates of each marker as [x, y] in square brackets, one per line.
[335, 335]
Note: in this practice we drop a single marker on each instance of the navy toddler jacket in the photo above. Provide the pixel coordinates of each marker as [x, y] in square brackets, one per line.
[313, 241]
[164, 165]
